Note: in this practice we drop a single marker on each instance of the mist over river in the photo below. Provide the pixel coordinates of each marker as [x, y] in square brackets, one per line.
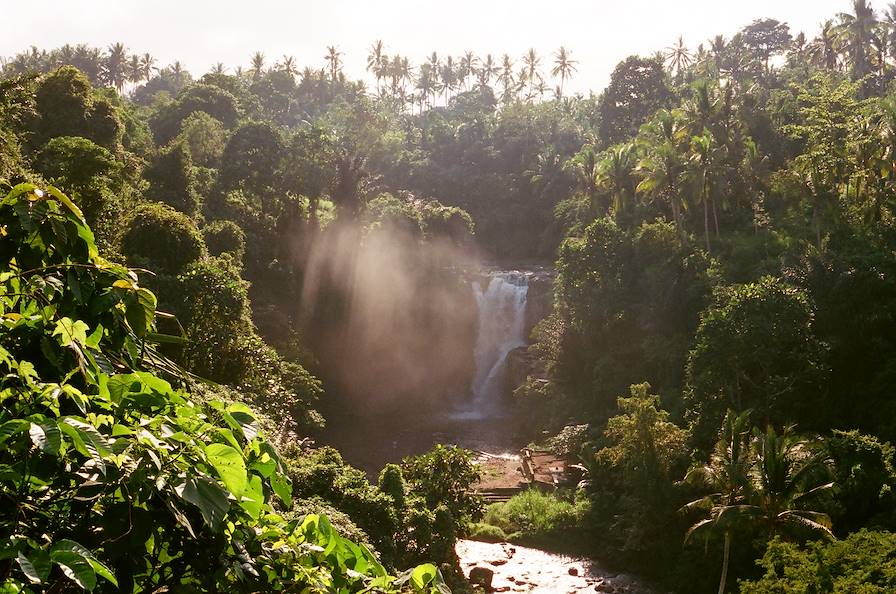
[477, 415]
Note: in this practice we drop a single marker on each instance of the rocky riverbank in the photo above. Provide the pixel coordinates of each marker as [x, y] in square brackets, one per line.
[503, 567]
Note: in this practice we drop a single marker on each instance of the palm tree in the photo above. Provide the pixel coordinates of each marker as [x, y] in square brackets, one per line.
[219, 68]
[448, 77]
[541, 87]
[257, 65]
[116, 64]
[532, 61]
[727, 476]
[717, 46]
[468, 67]
[334, 62]
[822, 50]
[177, 73]
[134, 71]
[858, 30]
[783, 475]
[506, 77]
[662, 166]
[563, 66]
[487, 70]
[584, 167]
[888, 20]
[148, 64]
[702, 173]
[678, 57]
[425, 83]
[616, 175]
[375, 60]
[288, 65]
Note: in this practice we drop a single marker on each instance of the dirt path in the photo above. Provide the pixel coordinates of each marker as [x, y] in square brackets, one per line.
[520, 569]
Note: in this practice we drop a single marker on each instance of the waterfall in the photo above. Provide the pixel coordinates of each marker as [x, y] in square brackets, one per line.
[502, 321]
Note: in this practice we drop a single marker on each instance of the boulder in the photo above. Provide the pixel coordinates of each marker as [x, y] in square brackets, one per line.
[482, 576]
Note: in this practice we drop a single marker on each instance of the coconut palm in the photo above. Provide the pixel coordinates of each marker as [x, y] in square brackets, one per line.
[334, 62]
[727, 477]
[783, 475]
[134, 71]
[219, 68]
[678, 57]
[148, 65]
[426, 83]
[115, 67]
[663, 165]
[487, 70]
[257, 65]
[717, 46]
[822, 51]
[288, 65]
[564, 66]
[532, 62]
[468, 67]
[858, 29]
[375, 60]
[702, 172]
[178, 73]
[616, 175]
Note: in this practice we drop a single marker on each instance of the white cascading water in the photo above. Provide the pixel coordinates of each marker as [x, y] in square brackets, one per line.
[502, 324]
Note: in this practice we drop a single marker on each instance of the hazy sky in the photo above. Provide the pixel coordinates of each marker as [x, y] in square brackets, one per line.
[199, 33]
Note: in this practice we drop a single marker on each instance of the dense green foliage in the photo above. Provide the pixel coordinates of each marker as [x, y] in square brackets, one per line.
[724, 227]
[120, 482]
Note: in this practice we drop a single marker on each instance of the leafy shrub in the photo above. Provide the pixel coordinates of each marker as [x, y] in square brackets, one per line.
[225, 237]
[532, 514]
[445, 476]
[171, 179]
[448, 222]
[160, 238]
[861, 563]
[485, 532]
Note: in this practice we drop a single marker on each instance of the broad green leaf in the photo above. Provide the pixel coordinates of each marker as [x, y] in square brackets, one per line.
[230, 466]
[36, 566]
[282, 487]
[71, 331]
[253, 497]
[102, 571]
[55, 193]
[87, 440]
[423, 575]
[10, 428]
[76, 568]
[46, 436]
[208, 496]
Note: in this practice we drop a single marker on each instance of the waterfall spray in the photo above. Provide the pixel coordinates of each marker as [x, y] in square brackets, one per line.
[502, 321]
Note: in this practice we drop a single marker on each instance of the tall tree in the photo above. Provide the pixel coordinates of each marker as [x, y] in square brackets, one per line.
[858, 29]
[678, 57]
[564, 66]
[334, 62]
[115, 68]
[375, 60]
[256, 66]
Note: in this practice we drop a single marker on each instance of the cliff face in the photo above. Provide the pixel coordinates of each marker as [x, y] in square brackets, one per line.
[540, 298]
[520, 363]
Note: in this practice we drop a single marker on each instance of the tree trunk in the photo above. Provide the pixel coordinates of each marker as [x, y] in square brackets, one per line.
[725, 563]
[706, 217]
[715, 217]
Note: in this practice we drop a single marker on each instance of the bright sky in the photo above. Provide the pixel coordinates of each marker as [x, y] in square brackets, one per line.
[200, 33]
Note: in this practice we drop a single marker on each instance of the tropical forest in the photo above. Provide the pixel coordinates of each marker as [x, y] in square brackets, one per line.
[452, 322]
